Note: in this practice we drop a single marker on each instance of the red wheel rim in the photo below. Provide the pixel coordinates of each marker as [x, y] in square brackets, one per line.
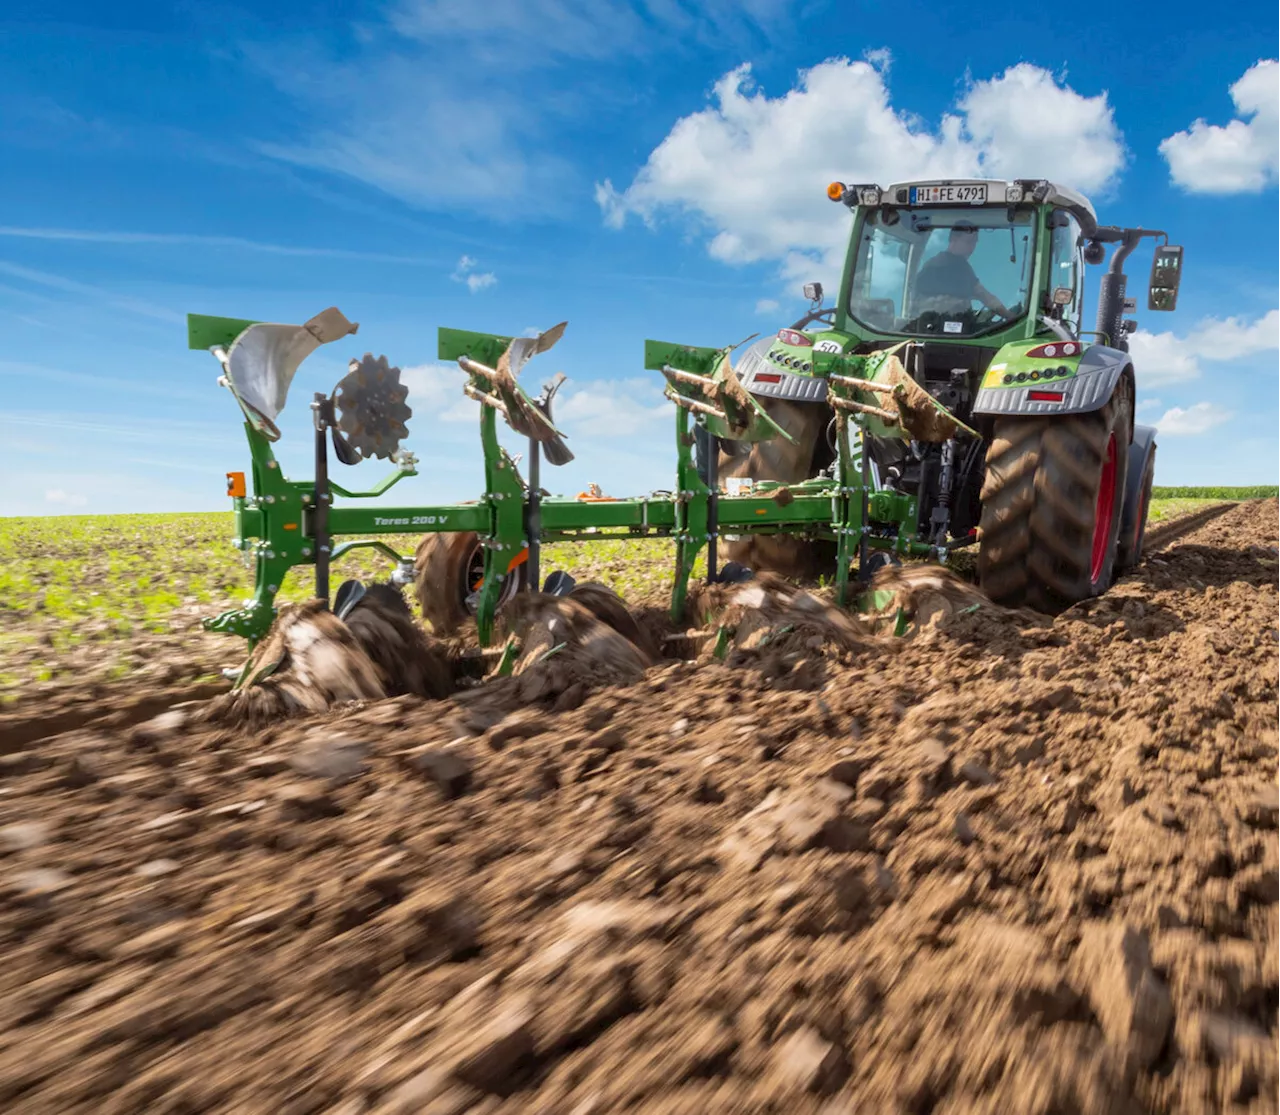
[1103, 512]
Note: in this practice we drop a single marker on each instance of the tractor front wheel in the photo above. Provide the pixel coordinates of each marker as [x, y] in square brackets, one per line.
[448, 570]
[1051, 506]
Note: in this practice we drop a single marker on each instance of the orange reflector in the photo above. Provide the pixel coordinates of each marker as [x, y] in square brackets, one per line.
[835, 191]
[235, 485]
[761, 511]
[290, 526]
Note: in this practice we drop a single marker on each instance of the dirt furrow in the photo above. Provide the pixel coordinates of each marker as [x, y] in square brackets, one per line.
[1165, 534]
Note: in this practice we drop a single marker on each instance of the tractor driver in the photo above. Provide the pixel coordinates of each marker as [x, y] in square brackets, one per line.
[946, 282]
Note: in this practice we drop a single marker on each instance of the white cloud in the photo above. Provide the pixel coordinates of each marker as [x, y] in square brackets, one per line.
[767, 306]
[65, 498]
[435, 393]
[526, 34]
[1195, 419]
[881, 58]
[183, 239]
[608, 409]
[92, 293]
[388, 117]
[1232, 338]
[465, 272]
[451, 104]
[1025, 124]
[1242, 156]
[613, 206]
[1164, 358]
[732, 165]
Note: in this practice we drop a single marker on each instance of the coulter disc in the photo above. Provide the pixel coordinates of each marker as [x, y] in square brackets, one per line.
[370, 403]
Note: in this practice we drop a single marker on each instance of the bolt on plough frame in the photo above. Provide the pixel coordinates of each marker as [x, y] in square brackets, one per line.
[282, 523]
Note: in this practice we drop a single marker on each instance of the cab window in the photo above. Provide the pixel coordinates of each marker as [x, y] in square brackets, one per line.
[1065, 270]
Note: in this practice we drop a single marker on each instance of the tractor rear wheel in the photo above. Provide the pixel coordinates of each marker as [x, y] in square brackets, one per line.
[1051, 506]
[789, 463]
[447, 569]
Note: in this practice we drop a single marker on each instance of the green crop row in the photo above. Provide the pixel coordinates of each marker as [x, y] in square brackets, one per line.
[1260, 491]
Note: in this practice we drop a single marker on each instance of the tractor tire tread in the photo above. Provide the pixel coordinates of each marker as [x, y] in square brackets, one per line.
[1039, 500]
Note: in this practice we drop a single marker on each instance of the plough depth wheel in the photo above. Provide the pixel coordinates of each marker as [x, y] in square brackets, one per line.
[448, 570]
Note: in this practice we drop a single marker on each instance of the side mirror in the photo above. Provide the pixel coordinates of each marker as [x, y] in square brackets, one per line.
[813, 292]
[1094, 252]
[1166, 274]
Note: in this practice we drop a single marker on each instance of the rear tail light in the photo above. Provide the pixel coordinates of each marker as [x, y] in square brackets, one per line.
[1057, 348]
[1045, 396]
[791, 337]
[766, 377]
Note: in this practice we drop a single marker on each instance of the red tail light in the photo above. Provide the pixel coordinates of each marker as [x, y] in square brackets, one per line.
[1045, 396]
[766, 377]
[791, 337]
[1055, 348]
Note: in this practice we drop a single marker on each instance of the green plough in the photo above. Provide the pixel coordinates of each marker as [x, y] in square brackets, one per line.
[282, 523]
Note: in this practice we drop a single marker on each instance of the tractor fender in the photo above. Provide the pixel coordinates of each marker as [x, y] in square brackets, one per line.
[1097, 374]
[1141, 449]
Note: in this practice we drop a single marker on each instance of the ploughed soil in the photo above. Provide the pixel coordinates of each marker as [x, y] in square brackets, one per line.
[1006, 864]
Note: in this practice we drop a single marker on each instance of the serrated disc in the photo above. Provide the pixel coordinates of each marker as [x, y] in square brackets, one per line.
[371, 408]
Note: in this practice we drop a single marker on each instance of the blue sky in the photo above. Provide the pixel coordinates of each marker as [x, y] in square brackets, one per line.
[641, 170]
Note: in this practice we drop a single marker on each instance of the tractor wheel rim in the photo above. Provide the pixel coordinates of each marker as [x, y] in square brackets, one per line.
[1103, 511]
[475, 573]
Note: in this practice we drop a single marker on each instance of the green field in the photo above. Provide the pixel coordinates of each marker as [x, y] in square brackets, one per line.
[1258, 491]
[1161, 510]
[68, 581]
[71, 582]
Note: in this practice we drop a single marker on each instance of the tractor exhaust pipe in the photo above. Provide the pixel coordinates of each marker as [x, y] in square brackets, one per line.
[1111, 290]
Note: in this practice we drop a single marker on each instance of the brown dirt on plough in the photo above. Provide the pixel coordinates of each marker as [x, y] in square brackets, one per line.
[1010, 864]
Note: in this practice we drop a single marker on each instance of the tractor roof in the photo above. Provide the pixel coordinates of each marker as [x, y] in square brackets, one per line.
[1053, 194]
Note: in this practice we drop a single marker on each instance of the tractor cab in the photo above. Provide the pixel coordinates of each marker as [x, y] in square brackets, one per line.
[964, 262]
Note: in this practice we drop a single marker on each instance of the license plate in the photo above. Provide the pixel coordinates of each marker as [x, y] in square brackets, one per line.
[949, 195]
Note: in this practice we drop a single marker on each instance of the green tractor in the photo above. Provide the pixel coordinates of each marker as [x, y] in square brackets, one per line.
[977, 287]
